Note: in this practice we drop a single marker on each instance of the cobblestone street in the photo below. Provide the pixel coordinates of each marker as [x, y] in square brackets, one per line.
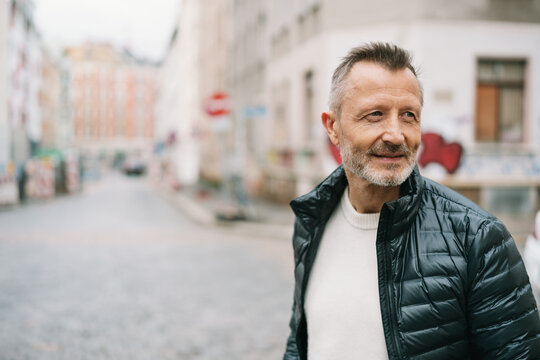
[118, 273]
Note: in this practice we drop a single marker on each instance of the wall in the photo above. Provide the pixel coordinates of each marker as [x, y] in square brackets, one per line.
[247, 79]
[178, 100]
[24, 81]
[5, 140]
[342, 14]
[50, 102]
[213, 133]
[449, 65]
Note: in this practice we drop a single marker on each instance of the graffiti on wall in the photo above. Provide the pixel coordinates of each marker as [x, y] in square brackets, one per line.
[436, 150]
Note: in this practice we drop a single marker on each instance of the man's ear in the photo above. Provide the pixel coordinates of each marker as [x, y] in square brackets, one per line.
[331, 124]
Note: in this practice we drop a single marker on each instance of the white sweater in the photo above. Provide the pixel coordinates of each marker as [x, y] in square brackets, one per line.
[342, 297]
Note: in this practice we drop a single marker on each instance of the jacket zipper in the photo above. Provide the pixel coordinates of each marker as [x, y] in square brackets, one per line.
[389, 295]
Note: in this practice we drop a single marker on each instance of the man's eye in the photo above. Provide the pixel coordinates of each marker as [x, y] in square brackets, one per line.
[376, 113]
[409, 114]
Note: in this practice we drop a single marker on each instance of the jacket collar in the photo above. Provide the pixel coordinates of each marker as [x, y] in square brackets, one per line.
[317, 205]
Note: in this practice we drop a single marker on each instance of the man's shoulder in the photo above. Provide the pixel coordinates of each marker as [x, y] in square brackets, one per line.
[455, 213]
[439, 194]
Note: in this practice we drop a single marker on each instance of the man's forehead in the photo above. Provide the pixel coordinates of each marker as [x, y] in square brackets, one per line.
[368, 75]
[370, 69]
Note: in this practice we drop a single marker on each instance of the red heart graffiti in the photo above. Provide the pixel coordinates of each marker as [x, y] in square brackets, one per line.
[436, 150]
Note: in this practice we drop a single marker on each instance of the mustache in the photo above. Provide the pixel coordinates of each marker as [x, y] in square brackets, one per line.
[384, 148]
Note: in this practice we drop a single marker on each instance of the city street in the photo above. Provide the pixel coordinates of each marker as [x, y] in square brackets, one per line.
[117, 272]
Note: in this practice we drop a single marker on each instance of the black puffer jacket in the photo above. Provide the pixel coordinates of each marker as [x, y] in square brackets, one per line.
[451, 281]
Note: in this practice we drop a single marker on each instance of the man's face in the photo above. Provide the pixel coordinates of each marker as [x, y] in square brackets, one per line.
[379, 128]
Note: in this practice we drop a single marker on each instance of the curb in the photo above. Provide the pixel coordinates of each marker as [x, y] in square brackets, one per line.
[193, 210]
[203, 216]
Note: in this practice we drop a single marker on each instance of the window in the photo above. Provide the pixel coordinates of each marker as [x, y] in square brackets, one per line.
[510, 200]
[308, 22]
[280, 104]
[499, 101]
[281, 42]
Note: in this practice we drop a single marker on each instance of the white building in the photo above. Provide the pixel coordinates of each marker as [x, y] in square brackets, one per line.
[57, 121]
[453, 55]
[50, 101]
[247, 80]
[8, 188]
[20, 120]
[24, 83]
[65, 127]
[5, 139]
[188, 141]
[216, 133]
[479, 65]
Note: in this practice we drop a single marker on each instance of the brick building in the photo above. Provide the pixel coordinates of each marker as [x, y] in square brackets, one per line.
[112, 96]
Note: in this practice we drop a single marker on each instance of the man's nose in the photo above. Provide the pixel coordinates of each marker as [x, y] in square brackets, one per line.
[393, 132]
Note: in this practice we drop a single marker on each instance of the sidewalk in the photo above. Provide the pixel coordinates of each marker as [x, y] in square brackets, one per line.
[213, 207]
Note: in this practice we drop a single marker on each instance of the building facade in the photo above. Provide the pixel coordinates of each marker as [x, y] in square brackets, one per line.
[216, 133]
[452, 70]
[50, 101]
[24, 80]
[178, 102]
[479, 67]
[247, 79]
[57, 126]
[112, 97]
[5, 138]
[8, 188]
[192, 144]
[20, 116]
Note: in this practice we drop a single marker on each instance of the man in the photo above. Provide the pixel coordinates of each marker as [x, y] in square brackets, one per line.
[388, 264]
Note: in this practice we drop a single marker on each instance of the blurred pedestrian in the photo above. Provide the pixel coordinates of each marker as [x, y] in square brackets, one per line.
[391, 265]
[21, 181]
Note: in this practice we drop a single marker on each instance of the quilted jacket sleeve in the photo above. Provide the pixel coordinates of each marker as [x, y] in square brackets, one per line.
[291, 352]
[503, 315]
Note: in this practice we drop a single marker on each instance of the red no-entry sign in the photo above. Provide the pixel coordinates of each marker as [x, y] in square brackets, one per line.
[217, 104]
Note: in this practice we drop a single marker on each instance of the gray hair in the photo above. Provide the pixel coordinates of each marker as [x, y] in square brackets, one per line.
[387, 55]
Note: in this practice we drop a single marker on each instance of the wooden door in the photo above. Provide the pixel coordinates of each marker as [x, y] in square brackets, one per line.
[487, 112]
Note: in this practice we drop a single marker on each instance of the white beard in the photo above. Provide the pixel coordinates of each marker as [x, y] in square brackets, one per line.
[360, 164]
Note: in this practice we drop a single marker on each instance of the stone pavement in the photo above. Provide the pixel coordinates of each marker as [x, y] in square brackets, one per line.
[115, 273]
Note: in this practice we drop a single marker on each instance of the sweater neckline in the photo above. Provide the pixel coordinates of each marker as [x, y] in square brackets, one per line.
[356, 219]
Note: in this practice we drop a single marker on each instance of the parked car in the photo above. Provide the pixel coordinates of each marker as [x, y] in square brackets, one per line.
[134, 165]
